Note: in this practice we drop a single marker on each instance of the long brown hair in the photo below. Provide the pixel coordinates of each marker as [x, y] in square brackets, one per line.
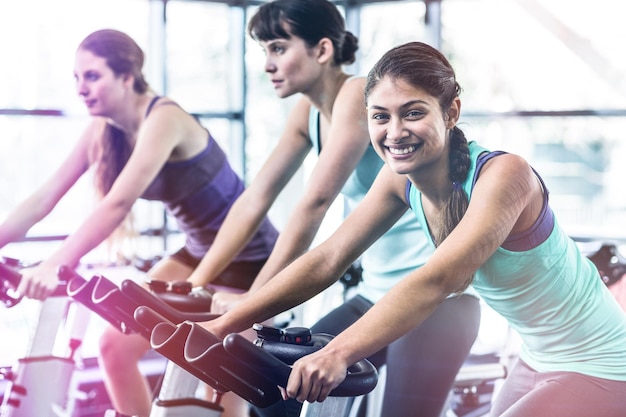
[110, 153]
[425, 67]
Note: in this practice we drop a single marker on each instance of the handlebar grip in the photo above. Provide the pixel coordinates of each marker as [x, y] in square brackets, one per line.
[176, 342]
[258, 358]
[361, 379]
[202, 354]
[186, 302]
[237, 365]
[10, 275]
[105, 299]
[230, 370]
[148, 318]
[9, 281]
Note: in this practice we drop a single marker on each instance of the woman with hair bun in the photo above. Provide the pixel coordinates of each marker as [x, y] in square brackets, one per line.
[306, 45]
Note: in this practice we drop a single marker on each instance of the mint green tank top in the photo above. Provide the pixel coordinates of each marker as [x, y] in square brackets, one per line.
[553, 297]
[399, 251]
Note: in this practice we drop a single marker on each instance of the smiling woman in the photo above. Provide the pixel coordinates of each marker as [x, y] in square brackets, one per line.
[487, 215]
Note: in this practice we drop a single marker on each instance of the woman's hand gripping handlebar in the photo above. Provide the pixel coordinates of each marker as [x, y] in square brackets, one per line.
[252, 371]
[289, 345]
[10, 278]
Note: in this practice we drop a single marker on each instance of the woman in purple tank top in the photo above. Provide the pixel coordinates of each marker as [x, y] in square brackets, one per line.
[139, 145]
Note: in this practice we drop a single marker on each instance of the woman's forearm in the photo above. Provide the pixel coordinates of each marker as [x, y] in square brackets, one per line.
[308, 276]
[14, 228]
[404, 307]
[295, 240]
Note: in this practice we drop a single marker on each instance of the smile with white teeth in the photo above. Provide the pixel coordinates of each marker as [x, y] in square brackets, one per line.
[402, 151]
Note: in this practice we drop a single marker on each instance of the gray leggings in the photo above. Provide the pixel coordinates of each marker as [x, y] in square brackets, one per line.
[527, 392]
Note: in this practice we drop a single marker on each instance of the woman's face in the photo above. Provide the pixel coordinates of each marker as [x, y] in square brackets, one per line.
[406, 126]
[291, 65]
[97, 84]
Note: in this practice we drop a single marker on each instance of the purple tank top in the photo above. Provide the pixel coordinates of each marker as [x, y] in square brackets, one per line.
[198, 193]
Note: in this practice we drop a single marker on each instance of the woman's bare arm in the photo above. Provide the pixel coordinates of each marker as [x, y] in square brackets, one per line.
[40, 203]
[320, 267]
[500, 201]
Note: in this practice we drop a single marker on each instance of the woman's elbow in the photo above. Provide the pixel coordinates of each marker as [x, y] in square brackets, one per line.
[443, 284]
[315, 206]
[119, 208]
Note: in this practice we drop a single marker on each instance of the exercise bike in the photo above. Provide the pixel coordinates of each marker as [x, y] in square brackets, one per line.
[27, 394]
[177, 302]
[253, 371]
[133, 309]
